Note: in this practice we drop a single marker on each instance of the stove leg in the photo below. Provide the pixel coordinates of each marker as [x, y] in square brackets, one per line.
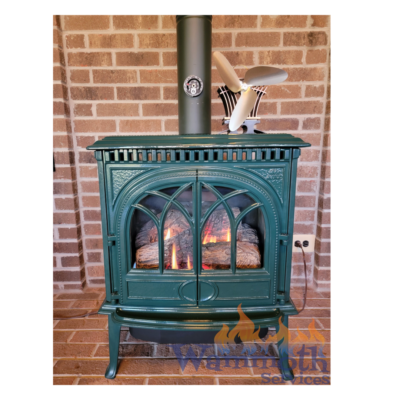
[283, 347]
[114, 330]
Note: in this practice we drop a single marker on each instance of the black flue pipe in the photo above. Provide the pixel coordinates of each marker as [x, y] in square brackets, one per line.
[194, 59]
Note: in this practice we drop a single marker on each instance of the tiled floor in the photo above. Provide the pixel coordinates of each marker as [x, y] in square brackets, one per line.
[81, 350]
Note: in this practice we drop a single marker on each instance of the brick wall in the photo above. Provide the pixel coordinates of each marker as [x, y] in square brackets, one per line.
[120, 79]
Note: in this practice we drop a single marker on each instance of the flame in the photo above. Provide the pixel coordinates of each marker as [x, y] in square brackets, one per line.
[228, 235]
[245, 330]
[168, 235]
[188, 263]
[174, 263]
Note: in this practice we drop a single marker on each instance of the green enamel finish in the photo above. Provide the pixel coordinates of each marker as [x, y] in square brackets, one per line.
[131, 168]
[198, 142]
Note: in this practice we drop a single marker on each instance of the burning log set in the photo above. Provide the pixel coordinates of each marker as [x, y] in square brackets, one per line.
[216, 243]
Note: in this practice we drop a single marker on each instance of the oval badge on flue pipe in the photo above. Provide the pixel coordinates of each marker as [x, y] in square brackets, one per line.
[194, 69]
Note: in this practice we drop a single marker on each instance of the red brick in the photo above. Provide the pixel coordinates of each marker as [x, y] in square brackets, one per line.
[88, 172]
[283, 21]
[305, 74]
[142, 59]
[325, 187]
[322, 261]
[309, 155]
[172, 125]
[97, 281]
[312, 123]
[323, 232]
[322, 274]
[67, 247]
[84, 141]
[217, 109]
[157, 40]
[103, 125]
[326, 156]
[283, 92]
[221, 39]
[67, 173]
[86, 22]
[58, 56]
[71, 261]
[91, 201]
[70, 233]
[328, 107]
[94, 244]
[320, 21]
[60, 91]
[304, 215]
[59, 74]
[303, 229]
[307, 186]
[158, 76]
[280, 124]
[138, 93]
[92, 229]
[325, 172]
[181, 381]
[281, 57]
[140, 125]
[87, 157]
[305, 201]
[239, 57]
[63, 381]
[90, 186]
[169, 58]
[64, 188]
[60, 337]
[322, 247]
[153, 366]
[56, 21]
[327, 140]
[135, 21]
[92, 93]
[301, 107]
[61, 108]
[72, 350]
[67, 203]
[57, 38]
[75, 41]
[305, 38]
[66, 218]
[324, 217]
[234, 21]
[114, 76]
[315, 90]
[114, 41]
[62, 141]
[118, 109]
[94, 257]
[316, 56]
[305, 171]
[83, 367]
[83, 110]
[267, 108]
[156, 109]
[94, 59]
[170, 93]
[91, 215]
[86, 304]
[95, 271]
[80, 76]
[257, 39]
[62, 125]
[324, 202]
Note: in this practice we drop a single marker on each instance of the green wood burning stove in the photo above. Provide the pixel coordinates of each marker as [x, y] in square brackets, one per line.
[195, 225]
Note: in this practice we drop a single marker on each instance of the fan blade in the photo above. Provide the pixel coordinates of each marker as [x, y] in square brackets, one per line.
[242, 109]
[227, 72]
[259, 76]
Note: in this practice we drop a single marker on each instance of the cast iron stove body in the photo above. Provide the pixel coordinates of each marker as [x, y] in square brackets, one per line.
[250, 180]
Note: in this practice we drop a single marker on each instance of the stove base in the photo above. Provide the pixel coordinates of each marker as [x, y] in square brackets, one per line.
[180, 337]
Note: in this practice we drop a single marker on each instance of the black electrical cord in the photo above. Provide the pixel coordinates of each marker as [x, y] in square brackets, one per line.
[297, 243]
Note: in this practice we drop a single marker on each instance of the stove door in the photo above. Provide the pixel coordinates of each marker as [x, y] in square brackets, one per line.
[161, 252]
[239, 253]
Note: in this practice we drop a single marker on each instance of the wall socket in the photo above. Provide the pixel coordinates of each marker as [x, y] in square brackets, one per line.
[302, 238]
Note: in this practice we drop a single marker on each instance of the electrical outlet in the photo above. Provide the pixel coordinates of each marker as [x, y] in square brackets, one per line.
[302, 238]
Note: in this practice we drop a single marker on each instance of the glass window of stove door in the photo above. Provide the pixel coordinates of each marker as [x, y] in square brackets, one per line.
[227, 215]
[169, 210]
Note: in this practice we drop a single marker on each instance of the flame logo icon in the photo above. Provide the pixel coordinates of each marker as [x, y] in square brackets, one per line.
[245, 331]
